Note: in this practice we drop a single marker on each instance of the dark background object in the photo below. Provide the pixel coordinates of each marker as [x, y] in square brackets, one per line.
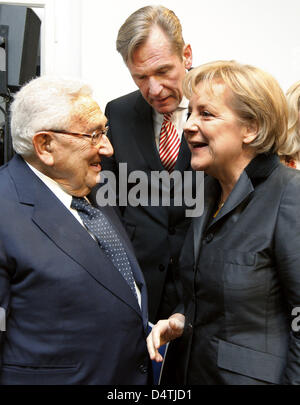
[19, 62]
[3, 59]
[23, 42]
[1, 144]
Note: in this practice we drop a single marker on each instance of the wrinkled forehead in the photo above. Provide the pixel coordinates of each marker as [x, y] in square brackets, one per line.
[84, 105]
[86, 110]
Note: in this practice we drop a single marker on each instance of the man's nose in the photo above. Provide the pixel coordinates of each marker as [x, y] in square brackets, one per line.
[154, 87]
[105, 147]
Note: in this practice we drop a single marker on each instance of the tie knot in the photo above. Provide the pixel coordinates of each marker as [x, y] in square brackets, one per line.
[81, 204]
[168, 116]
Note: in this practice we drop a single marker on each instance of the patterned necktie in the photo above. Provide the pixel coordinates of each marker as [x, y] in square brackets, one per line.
[106, 236]
[169, 143]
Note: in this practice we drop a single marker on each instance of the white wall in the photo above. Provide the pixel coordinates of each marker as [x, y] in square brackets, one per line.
[265, 33]
[79, 37]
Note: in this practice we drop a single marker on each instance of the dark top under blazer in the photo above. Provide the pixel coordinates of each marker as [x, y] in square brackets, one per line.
[157, 233]
[71, 316]
[241, 277]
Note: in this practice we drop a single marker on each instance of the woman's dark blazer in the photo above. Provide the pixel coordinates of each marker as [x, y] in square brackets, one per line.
[241, 279]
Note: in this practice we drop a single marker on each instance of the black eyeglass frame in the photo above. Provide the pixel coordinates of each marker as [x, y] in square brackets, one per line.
[95, 137]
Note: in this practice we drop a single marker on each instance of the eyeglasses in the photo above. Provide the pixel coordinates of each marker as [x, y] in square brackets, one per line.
[95, 137]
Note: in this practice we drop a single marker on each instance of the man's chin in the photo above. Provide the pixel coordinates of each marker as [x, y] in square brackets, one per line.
[165, 109]
[166, 106]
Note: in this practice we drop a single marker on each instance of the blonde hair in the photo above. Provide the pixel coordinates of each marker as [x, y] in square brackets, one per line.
[292, 145]
[136, 30]
[256, 99]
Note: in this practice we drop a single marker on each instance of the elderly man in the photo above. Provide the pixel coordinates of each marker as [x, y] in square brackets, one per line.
[146, 133]
[71, 289]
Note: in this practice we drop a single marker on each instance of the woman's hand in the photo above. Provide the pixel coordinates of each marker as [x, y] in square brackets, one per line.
[164, 331]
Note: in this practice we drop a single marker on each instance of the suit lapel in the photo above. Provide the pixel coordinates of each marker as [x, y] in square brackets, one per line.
[211, 190]
[52, 217]
[144, 131]
[241, 191]
[184, 157]
[203, 224]
[257, 170]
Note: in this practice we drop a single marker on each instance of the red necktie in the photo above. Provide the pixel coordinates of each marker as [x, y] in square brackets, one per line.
[169, 143]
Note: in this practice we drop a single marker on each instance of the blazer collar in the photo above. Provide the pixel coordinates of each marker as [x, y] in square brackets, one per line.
[52, 217]
[211, 192]
[145, 134]
[257, 170]
[262, 166]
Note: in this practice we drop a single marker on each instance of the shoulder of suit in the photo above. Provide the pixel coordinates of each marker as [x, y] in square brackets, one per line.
[3, 169]
[127, 105]
[126, 99]
[286, 174]
[5, 172]
[7, 184]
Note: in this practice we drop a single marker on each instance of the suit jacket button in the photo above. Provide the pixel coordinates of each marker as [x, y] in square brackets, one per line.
[161, 267]
[209, 237]
[172, 230]
[189, 328]
[143, 369]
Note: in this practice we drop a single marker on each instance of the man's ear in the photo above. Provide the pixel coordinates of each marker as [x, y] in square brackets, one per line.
[187, 56]
[43, 143]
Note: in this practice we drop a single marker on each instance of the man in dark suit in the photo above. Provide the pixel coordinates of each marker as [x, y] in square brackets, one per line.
[72, 314]
[151, 44]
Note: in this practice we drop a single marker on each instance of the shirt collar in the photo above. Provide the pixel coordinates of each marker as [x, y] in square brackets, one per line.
[61, 194]
[183, 105]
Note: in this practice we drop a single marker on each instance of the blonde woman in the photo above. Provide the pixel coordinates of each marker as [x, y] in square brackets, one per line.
[239, 265]
[290, 153]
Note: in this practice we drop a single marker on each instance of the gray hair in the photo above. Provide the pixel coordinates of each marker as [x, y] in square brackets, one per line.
[44, 103]
[136, 29]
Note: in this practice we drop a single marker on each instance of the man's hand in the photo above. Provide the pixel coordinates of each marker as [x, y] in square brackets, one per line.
[164, 331]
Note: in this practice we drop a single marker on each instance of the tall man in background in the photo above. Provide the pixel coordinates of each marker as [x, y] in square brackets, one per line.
[146, 131]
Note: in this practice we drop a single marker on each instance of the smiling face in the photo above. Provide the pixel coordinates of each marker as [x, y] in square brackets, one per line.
[159, 72]
[217, 139]
[76, 162]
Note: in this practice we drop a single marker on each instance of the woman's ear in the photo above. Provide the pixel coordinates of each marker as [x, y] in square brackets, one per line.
[43, 143]
[251, 132]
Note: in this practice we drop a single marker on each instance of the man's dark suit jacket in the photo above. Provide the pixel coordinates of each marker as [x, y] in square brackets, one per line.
[157, 233]
[71, 317]
[241, 277]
